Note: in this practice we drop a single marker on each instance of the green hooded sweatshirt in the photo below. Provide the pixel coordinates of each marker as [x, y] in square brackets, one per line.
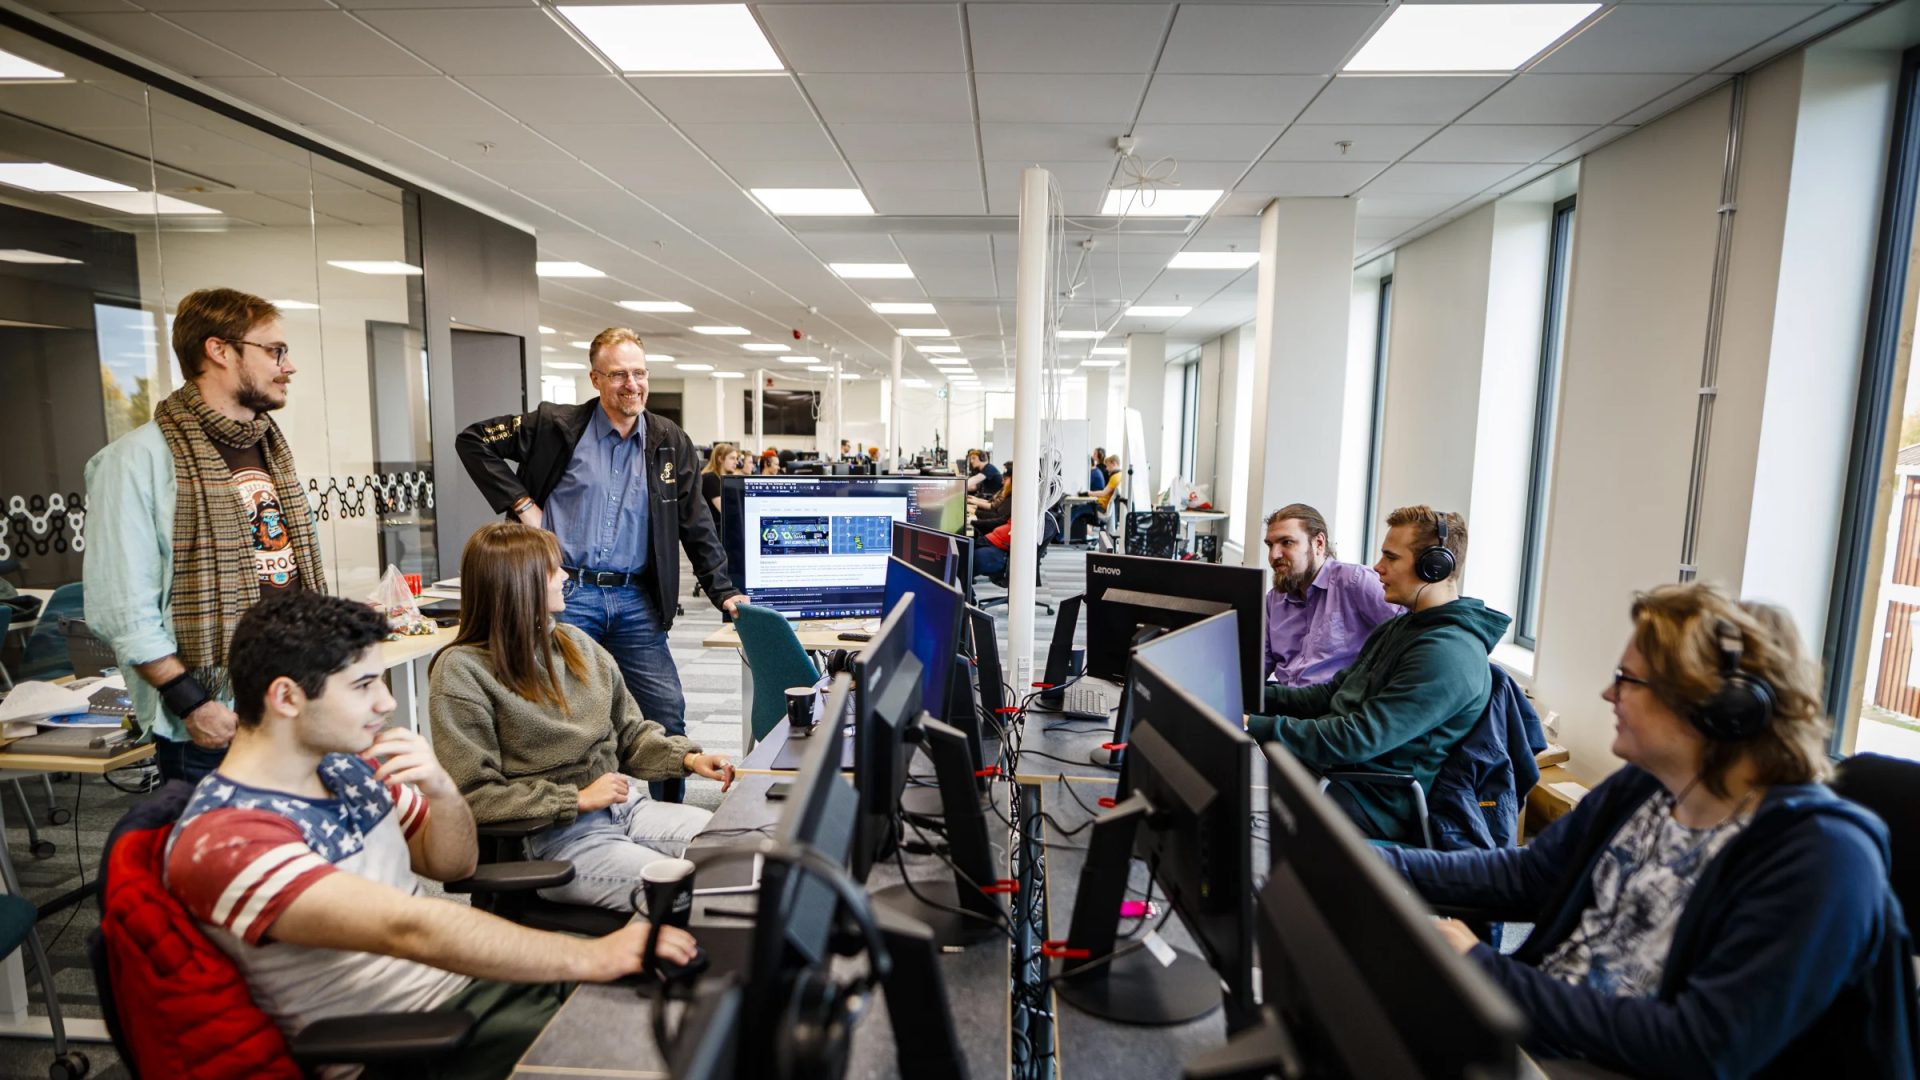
[1418, 686]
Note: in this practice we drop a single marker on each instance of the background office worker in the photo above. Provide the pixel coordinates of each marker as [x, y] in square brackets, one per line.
[1320, 610]
[1419, 685]
[616, 485]
[1712, 908]
[196, 516]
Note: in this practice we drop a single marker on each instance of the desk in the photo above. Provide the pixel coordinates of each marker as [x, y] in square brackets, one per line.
[816, 636]
[606, 1030]
[14, 1020]
[1068, 745]
[1191, 518]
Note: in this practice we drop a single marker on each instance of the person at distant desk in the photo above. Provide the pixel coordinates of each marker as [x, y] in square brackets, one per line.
[723, 460]
[1418, 686]
[1320, 610]
[1712, 908]
[983, 477]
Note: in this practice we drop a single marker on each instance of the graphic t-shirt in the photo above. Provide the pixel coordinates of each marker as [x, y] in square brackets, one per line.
[272, 545]
[240, 855]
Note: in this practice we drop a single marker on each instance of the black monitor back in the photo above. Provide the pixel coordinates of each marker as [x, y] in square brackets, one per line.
[937, 616]
[887, 677]
[1126, 593]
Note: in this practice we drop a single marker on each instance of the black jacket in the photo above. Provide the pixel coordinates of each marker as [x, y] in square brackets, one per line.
[541, 443]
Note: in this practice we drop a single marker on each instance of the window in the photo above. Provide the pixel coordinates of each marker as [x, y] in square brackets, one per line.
[1534, 541]
[1877, 563]
[1190, 421]
[1384, 320]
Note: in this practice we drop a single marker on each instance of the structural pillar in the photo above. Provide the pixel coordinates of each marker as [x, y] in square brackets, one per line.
[759, 410]
[1099, 405]
[890, 450]
[1146, 393]
[1299, 361]
[1029, 341]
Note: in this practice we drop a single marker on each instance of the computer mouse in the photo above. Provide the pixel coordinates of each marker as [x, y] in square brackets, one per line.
[673, 972]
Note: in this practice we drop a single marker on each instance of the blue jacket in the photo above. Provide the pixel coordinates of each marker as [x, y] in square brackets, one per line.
[1790, 958]
[1477, 797]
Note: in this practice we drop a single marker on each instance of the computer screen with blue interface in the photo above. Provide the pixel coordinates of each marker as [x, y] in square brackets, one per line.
[817, 547]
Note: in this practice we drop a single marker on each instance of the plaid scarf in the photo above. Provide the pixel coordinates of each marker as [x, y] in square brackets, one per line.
[214, 577]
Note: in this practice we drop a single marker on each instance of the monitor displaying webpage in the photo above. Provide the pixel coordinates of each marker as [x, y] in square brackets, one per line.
[817, 547]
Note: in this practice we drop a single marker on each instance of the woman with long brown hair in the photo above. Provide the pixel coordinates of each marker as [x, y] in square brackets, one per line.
[532, 719]
[723, 460]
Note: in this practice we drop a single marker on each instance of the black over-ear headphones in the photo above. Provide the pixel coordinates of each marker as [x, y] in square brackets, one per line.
[839, 662]
[1435, 564]
[1744, 702]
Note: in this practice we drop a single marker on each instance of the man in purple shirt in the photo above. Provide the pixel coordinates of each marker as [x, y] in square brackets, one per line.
[1320, 610]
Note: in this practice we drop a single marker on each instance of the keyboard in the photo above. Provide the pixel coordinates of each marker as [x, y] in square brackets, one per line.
[1081, 699]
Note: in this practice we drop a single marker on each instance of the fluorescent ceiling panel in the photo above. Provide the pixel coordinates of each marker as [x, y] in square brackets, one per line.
[937, 348]
[1425, 38]
[656, 307]
[871, 270]
[1157, 311]
[376, 267]
[803, 201]
[1167, 202]
[34, 258]
[566, 269]
[660, 358]
[548, 330]
[728, 374]
[1081, 335]
[676, 37]
[819, 367]
[926, 331]
[294, 305]
[948, 361]
[19, 67]
[696, 367]
[581, 344]
[44, 176]
[722, 331]
[848, 376]
[899, 308]
[1110, 350]
[765, 346]
[799, 359]
[139, 202]
[1214, 260]
[566, 365]
[1099, 363]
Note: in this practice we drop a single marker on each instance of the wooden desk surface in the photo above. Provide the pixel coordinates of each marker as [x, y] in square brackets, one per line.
[394, 653]
[92, 766]
[816, 635]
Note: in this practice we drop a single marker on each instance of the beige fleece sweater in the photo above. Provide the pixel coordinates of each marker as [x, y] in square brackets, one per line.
[514, 759]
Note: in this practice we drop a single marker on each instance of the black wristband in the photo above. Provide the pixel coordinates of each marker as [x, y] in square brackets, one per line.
[183, 694]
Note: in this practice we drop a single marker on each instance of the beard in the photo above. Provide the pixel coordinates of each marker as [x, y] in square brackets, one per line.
[1296, 584]
[251, 394]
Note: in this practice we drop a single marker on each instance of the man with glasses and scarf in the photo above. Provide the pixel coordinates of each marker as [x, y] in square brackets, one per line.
[192, 519]
[618, 486]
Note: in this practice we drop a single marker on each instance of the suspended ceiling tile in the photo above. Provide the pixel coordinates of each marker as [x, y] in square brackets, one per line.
[163, 41]
[918, 175]
[1668, 102]
[868, 37]
[1281, 39]
[399, 101]
[763, 142]
[564, 99]
[1228, 99]
[1435, 179]
[1678, 38]
[295, 43]
[1520, 144]
[1570, 99]
[914, 98]
[692, 99]
[1585, 146]
[1053, 142]
[1415, 99]
[1205, 142]
[488, 41]
[1066, 37]
[1303, 179]
[905, 142]
[786, 172]
[1065, 99]
[1365, 142]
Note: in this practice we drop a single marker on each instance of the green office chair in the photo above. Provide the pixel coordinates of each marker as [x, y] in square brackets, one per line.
[774, 655]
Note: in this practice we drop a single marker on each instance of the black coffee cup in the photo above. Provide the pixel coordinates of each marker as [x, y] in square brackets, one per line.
[800, 710]
[665, 898]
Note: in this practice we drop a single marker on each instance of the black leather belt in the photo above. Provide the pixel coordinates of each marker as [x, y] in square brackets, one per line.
[603, 578]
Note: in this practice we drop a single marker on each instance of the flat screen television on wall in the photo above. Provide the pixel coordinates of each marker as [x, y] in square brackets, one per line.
[788, 412]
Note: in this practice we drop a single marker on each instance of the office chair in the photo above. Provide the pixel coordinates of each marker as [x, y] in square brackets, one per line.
[1890, 788]
[503, 846]
[774, 655]
[45, 655]
[1049, 532]
[56, 814]
[17, 919]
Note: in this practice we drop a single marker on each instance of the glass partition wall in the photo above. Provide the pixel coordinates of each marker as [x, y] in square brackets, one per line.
[118, 198]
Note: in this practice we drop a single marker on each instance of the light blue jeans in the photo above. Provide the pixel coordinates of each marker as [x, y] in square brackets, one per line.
[626, 623]
[608, 847]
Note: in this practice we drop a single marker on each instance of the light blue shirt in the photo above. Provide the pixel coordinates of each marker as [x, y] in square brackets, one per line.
[599, 509]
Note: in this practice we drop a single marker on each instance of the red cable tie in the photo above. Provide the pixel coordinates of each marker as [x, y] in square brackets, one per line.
[1058, 950]
[1004, 885]
[1043, 686]
[1113, 746]
[991, 770]
[1107, 802]
[1007, 710]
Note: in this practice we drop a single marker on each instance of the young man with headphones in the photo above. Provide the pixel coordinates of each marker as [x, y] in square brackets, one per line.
[1419, 684]
[1712, 908]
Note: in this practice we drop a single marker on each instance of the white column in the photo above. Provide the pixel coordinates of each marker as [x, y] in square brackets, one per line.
[1099, 404]
[759, 410]
[1300, 361]
[890, 450]
[719, 408]
[832, 449]
[1146, 392]
[1029, 339]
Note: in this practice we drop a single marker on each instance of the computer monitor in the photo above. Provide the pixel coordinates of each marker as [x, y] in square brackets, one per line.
[942, 554]
[1203, 655]
[887, 702]
[1356, 981]
[1126, 593]
[992, 680]
[936, 632]
[1191, 773]
[816, 546]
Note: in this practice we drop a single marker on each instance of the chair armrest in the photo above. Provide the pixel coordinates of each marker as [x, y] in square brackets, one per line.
[517, 829]
[373, 1038]
[1406, 780]
[514, 877]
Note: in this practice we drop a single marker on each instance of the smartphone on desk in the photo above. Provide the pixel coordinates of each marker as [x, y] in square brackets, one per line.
[778, 791]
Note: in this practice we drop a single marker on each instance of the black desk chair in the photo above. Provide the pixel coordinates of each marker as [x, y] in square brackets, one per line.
[503, 844]
[1890, 788]
[1049, 532]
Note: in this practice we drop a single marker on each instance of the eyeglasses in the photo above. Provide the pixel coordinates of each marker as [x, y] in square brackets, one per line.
[1620, 676]
[278, 352]
[622, 378]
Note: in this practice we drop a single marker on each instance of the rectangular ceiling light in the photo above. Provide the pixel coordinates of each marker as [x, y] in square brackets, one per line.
[676, 37]
[19, 67]
[588, 345]
[1424, 38]
[294, 305]
[1099, 363]
[1166, 202]
[728, 374]
[926, 331]
[34, 258]
[849, 376]
[722, 331]
[948, 361]
[799, 359]
[765, 346]
[659, 358]
[1214, 260]
[1081, 335]
[376, 267]
[548, 330]
[696, 367]
[566, 365]
[566, 269]
[820, 367]
[1110, 350]
[901, 308]
[918, 384]
[656, 307]
[871, 270]
[937, 348]
[803, 201]
[1157, 311]
[139, 202]
[43, 176]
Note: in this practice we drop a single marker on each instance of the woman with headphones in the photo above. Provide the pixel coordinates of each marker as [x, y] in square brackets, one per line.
[1712, 908]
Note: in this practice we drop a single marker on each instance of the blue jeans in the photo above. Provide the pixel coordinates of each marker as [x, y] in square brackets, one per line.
[625, 622]
[609, 847]
[187, 761]
[989, 561]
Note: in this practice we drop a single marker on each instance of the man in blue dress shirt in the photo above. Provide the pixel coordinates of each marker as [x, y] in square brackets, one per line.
[617, 486]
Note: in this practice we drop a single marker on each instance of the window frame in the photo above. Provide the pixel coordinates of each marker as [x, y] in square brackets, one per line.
[1382, 324]
[1533, 539]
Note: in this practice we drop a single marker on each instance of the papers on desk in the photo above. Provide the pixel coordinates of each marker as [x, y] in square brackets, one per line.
[31, 702]
[448, 583]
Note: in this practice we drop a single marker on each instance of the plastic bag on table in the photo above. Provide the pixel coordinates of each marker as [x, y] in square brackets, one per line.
[394, 599]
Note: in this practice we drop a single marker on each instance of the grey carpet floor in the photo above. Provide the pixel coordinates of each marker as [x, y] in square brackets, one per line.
[712, 683]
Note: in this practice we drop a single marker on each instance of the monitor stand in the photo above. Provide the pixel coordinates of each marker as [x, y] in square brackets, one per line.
[955, 907]
[1136, 987]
